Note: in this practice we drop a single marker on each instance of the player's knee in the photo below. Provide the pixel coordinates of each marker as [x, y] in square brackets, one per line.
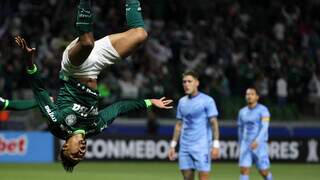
[264, 173]
[245, 171]
[141, 35]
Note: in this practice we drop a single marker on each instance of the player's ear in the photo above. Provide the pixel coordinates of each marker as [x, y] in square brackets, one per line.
[65, 146]
[197, 82]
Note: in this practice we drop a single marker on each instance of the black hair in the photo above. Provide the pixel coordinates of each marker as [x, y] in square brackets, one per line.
[67, 163]
[255, 89]
[190, 73]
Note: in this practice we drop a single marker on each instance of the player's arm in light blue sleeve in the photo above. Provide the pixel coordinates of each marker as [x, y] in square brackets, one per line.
[176, 133]
[179, 114]
[265, 118]
[240, 127]
[212, 113]
[211, 108]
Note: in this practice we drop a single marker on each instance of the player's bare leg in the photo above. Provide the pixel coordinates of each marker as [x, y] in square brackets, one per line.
[266, 174]
[83, 47]
[124, 43]
[204, 175]
[188, 174]
[244, 173]
[127, 42]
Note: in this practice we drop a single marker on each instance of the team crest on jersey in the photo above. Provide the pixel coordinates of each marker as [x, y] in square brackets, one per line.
[71, 119]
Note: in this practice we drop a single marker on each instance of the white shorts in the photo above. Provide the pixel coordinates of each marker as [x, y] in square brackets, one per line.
[102, 55]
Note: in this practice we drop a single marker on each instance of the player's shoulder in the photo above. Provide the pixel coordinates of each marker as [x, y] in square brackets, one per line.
[183, 99]
[263, 107]
[243, 109]
[206, 96]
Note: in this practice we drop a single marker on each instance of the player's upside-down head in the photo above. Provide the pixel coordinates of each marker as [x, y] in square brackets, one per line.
[73, 151]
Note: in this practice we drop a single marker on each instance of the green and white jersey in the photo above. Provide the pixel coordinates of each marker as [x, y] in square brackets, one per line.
[77, 109]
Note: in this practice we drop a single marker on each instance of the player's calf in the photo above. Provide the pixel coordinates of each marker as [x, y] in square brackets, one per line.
[82, 49]
[140, 35]
[188, 174]
[204, 175]
[135, 21]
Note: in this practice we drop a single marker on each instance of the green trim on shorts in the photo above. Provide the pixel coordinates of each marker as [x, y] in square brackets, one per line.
[33, 70]
[148, 102]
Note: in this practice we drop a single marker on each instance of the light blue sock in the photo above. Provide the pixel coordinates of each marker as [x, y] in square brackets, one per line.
[269, 177]
[244, 177]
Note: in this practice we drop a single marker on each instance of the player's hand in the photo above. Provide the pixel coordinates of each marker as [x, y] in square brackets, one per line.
[172, 154]
[215, 152]
[24, 46]
[254, 145]
[162, 103]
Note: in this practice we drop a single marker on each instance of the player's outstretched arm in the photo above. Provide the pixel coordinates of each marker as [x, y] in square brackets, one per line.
[108, 114]
[162, 103]
[127, 42]
[21, 105]
[28, 52]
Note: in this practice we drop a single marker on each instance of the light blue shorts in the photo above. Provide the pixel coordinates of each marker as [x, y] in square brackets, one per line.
[258, 156]
[197, 160]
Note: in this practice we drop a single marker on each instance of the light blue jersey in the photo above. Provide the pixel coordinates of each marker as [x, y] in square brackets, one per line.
[253, 126]
[195, 113]
[196, 134]
[250, 123]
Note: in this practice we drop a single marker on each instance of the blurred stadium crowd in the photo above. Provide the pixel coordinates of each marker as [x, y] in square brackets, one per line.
[273, 45]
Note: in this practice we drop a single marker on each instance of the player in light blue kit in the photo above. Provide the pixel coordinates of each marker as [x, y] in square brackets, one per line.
[253, 124]
[197, 115]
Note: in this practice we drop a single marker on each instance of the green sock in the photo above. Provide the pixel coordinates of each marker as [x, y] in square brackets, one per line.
[84, 17]
[133, 14]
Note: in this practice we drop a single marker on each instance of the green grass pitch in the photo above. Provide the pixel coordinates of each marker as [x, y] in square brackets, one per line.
[145, 171]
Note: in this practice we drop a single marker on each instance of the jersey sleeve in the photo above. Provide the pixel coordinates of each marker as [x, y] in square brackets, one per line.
[179, 114]
[265, 114]
[211, 108]
[3, 104]
[240, 126]
[239, 122]
[108, 114]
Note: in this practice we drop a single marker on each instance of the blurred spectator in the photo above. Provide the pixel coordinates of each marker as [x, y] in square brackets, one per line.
[282, 91]
[128, 86]
[314, 96]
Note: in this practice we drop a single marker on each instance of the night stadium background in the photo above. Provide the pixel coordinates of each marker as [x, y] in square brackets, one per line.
[233, 44]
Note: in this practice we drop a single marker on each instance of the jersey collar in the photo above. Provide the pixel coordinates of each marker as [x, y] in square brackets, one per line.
[80, 131]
